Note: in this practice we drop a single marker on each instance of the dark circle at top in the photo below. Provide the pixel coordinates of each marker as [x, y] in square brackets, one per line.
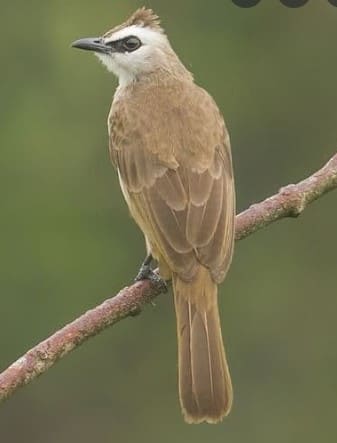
[294, 3]
[246, 3]
[333, 2]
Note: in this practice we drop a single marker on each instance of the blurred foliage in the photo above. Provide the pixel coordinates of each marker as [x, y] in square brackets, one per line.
[67, 241]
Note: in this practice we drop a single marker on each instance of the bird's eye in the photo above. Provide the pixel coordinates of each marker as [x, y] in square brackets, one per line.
[131, 44]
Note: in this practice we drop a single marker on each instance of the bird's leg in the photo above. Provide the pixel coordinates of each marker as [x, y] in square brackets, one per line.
[145, 270]
[147, 273]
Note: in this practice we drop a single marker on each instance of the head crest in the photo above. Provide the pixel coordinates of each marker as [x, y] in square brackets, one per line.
[142, 17]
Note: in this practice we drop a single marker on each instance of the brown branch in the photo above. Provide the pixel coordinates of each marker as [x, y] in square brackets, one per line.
[289, 202]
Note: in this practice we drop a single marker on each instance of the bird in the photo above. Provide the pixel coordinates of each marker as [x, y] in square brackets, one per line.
[171, 149]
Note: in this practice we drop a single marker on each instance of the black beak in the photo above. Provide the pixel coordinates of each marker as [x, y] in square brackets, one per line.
[92, 44]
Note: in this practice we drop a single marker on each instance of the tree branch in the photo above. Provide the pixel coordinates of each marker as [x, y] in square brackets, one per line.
[289, 202]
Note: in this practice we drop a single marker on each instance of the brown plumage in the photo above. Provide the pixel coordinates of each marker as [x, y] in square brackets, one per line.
[172, 152]
[170, 146]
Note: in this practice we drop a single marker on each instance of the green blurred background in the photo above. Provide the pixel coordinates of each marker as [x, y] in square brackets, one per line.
[67, 241]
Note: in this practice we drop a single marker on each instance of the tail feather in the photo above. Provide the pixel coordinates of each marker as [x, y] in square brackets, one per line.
[205, 388]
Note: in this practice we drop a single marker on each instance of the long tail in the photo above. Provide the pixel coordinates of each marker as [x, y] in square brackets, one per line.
[205, 387]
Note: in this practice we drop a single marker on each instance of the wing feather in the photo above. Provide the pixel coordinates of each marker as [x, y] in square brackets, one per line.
[199, 186]
[180, 191]
[202, 221]
[171, 189]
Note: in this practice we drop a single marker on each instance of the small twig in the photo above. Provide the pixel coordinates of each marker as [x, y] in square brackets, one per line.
[289, 202]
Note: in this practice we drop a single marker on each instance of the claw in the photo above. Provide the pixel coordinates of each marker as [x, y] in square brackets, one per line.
[146, 273]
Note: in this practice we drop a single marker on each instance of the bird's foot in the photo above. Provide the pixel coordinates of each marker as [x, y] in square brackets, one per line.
[146, 273]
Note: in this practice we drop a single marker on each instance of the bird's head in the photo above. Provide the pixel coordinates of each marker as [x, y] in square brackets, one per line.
[133, 49]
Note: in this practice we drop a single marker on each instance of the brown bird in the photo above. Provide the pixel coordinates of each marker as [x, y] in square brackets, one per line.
[170, 146]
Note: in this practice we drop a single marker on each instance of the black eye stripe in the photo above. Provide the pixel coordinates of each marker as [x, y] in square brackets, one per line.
[126, 44]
